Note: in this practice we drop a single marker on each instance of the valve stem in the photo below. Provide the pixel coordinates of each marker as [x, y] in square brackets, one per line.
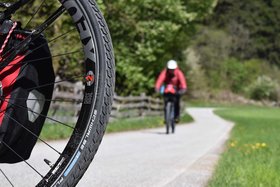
[49, 163]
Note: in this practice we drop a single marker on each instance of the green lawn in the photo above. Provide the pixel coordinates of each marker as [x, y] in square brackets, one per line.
[141, 123]
[54, 132]
[252, 155]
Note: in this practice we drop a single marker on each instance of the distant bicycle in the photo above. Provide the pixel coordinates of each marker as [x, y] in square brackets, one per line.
[169, 93]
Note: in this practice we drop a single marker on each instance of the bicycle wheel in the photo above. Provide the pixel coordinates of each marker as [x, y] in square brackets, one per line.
[172, 117]
[168, 116]
[80, 53]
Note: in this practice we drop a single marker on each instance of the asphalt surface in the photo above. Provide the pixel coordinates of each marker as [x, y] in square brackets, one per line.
[147, 158]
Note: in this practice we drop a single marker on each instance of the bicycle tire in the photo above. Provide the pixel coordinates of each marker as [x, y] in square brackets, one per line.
[172, 119]
[96, 124]
[168, 116]
[98, 95]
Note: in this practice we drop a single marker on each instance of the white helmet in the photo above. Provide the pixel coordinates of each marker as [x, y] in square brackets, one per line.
[172, 64]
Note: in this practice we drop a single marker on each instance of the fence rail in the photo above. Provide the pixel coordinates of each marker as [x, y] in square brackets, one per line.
[68, 97]
[136, 106]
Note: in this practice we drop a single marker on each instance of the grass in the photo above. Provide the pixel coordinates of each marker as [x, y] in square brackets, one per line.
[252, 157]
[55, 132]
[213, 104]
[134, 124]
[141, 123]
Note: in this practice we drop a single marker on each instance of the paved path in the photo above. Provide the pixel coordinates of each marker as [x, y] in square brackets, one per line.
[150, 158]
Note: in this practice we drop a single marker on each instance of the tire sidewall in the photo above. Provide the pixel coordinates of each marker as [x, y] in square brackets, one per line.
[91, 31]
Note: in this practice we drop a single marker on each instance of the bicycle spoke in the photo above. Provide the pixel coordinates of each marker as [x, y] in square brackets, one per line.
[43, 58]
[20, 124]
[40, 46]
[57, 82]
[7, 178]
[7, 146]
[62, 35]
[50, 41]
[39, 8]
[50, 20]
[54, 56]
[47, 117]
[44, 85]
[11, 54]
[50, 100]
[48, 84]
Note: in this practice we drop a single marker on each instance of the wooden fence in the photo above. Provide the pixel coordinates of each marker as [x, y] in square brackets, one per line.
[68, 100]
[136, 106]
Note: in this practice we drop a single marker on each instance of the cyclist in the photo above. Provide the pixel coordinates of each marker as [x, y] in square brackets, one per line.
[172, 75]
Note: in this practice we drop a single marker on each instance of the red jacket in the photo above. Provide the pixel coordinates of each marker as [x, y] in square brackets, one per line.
[177, 79]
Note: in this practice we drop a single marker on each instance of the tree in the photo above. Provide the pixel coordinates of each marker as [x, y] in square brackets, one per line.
[256, 22]
[147, 33]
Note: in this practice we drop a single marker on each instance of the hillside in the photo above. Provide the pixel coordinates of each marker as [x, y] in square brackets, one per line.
[237, 49]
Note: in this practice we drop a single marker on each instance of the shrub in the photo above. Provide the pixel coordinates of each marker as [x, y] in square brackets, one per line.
[264, 88]
[235, 74]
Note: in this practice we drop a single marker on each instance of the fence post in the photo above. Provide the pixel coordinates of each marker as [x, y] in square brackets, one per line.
[143, 104]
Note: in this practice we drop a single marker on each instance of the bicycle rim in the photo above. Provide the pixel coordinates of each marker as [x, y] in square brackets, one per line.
[92, 68]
